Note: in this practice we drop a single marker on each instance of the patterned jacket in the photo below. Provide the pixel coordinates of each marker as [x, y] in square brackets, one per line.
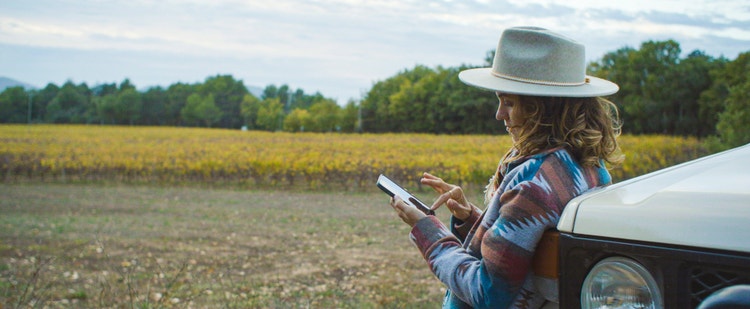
[488, 264]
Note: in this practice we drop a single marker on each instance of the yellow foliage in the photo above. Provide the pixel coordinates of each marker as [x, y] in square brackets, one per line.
[313, 160]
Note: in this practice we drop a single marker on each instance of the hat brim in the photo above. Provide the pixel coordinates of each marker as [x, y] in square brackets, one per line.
[483, 78]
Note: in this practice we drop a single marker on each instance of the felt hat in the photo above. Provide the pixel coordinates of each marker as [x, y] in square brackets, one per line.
[539, 62]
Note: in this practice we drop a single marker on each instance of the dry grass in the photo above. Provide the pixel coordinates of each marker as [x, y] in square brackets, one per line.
[138, 247]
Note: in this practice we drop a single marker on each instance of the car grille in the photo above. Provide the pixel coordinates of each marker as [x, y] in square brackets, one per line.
[704, 281]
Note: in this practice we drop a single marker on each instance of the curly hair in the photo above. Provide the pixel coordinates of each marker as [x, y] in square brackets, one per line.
[587, 127]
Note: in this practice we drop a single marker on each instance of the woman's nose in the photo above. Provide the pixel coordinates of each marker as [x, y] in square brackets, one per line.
[501, 113]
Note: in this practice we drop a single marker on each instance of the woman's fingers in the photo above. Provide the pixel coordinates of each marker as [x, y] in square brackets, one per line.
[458, 210]
[448, 193]
[435, 183]
[397, 203]
[409, 214]
[443, 198]
[456, 206]
[439, 202]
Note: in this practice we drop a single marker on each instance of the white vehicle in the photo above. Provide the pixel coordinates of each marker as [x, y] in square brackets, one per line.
[674, 238]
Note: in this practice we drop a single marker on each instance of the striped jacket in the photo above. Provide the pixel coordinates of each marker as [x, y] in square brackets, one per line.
[488, 264]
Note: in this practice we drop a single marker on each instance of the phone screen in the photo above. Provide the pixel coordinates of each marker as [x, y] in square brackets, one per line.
[393, 189]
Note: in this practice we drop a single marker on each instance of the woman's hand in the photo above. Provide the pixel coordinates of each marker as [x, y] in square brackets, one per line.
[451, 195]
[409, 214]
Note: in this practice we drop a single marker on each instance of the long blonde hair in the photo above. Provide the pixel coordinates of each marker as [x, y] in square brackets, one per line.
[587, 127]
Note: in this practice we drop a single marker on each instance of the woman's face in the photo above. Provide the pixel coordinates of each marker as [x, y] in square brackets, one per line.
[506, 114]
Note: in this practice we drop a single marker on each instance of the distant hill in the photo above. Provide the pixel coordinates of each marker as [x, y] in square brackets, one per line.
[256, 91]
[6, 82]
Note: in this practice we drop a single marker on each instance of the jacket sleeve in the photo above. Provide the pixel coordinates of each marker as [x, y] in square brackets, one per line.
[494, 278]
[461, 228]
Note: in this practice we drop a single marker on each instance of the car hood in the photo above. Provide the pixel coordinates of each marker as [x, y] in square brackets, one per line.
[700, 203]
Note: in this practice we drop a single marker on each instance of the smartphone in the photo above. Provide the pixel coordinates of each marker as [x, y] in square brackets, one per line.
[393, 189]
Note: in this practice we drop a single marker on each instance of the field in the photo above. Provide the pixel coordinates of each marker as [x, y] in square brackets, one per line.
[90, 246]
[278, 160]
[112, 217]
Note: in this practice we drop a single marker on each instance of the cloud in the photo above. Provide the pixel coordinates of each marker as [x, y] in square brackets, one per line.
[339, 47]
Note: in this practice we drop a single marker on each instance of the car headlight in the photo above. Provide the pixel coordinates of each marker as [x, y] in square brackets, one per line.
[618, 282]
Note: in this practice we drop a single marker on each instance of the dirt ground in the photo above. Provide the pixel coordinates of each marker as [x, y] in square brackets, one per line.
[120, 246]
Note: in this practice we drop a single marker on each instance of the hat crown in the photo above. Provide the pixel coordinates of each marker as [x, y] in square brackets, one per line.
[536, 55]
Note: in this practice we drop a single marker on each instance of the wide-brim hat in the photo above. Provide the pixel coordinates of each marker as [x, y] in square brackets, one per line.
[539, 62]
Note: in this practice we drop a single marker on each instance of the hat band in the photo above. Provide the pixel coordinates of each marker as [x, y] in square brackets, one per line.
[539, 82]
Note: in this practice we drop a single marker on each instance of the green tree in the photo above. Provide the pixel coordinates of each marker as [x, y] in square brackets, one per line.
[291, 99]
[325, 116]
[431, 101]
[301, 100]
[201, 110]
[126, 85]
[349, 117]
[104, 89]
[129, 106]
[693, 77]
[463, 109]
[729, 95]
[377, 113]
[41, 100]
[270, 115]
[249, 110]
[406, 105]
[70, 105]
[299, 120]
[228, 94]
[658, 90]
[177, 95]
[106, 108]
[14, 105]
[734, 122]
[724, 75]
[123, 107]
[272, 92]
[653, 68]
[154, 109]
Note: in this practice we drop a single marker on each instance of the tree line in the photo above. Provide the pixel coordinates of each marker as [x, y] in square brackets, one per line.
[220, 101]
[660, 93]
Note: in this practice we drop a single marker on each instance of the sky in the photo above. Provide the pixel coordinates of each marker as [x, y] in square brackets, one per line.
[339, 48]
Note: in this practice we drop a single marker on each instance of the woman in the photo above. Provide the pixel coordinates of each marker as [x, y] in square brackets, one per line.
[563, 135]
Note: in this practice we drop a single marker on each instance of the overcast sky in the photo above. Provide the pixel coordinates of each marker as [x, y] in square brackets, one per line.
[338, 47]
